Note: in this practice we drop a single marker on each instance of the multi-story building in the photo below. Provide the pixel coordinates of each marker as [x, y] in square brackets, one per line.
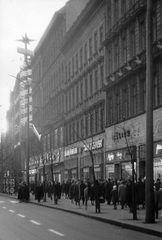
[48, 92]
[84, 99]
[17, 118]
[125, 86]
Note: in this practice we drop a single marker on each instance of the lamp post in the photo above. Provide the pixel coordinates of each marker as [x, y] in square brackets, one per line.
[26, 41]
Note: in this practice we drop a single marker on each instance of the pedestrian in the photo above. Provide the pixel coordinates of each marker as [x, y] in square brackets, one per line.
[71, 191]
[108, 189]
[114, 196]
[156, 202]
[122, 194]
[39, 191]
[50, 190]
[20, 195]
[160, 199]
[82, 187]
[86, 196]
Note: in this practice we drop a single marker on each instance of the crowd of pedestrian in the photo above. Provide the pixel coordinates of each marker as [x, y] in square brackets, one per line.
[113, 192]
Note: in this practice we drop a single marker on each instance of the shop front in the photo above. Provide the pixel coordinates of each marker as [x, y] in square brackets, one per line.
[118, 164]
[94, 149]
[71, 163]
[86, 167]
[157, 161]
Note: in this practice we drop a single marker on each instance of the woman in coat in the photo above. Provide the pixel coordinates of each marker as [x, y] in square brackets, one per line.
[122, 194]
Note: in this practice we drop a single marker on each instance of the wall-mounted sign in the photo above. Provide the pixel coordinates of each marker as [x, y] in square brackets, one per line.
[94, 145]
[71, 151]
[158, 149]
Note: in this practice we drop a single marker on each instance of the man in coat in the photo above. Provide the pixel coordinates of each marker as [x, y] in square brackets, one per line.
[122, 194]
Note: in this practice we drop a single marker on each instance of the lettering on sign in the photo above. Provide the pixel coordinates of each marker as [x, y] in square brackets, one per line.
[71, 151]
[158, 148]
[95, 145]
[110, 157]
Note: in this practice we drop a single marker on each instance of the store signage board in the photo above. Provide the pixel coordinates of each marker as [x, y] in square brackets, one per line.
[25, 51]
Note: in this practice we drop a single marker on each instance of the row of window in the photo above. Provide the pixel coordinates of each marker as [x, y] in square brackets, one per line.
[85, 53]
[116, 9]
[129, 43]
[85, 126]
[129, 98]
[85, 88]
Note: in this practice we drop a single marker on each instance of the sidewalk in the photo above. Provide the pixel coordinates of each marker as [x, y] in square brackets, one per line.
[117, 217]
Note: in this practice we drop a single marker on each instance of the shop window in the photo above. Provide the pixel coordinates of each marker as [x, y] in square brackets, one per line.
[109, 16]
[116, 11]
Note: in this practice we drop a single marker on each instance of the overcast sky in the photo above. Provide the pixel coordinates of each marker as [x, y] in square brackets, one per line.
[18, 17]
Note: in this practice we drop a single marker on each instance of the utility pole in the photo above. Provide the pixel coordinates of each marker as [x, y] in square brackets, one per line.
[149, 117]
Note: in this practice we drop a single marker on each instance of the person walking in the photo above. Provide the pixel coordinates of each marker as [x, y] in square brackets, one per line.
[86, 196]
[39, 191]
[114, 196]
[156, 202]
[122, 194]
[160, 199]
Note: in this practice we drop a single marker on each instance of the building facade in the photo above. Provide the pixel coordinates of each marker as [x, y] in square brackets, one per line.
[125, 87]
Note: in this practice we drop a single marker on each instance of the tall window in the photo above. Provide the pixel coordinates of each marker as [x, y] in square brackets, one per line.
[102, 119]
[142, 34]
[95, 42]
[74, 132]
[132, 43]
[101, 74]
[116, 11]
[154, 28]
[157, 88]
[77, 94]
[96, 121]
[72, 66]
[86, 125]
[78, 130]
[91, 123]
[90, 47]
[124, 49]
[81, 57]
[82, 128]
[77, 62]
[73, 97]
[117, 106]
[116, 48]
[85, 52]
[109, 16]
[81, 91]
[69, 100]
[123, 7]
[91, 84]
[110, 60]
[101, 35]
[69, 70]
[86, 87]
[125, 103]
[96, 80]
[110, 104]
[66, 73]
[143, 94]
[133, 99]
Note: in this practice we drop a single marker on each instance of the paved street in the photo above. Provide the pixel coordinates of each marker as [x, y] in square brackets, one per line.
[22, 221]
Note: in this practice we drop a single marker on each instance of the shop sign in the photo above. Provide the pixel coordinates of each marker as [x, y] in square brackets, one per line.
[158, 149]
[95, 145]
[71, 151]
[110, 157]
[120, 155]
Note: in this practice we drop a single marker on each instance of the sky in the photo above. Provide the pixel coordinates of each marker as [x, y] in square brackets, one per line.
[18, 17]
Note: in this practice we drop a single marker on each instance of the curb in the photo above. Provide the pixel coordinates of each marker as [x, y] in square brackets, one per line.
[109, 221]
